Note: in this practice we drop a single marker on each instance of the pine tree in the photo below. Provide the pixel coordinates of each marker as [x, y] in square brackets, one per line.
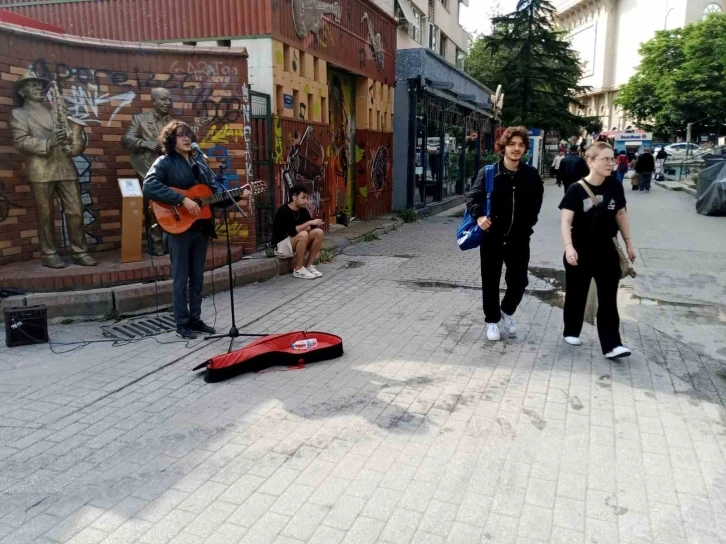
[536, 66]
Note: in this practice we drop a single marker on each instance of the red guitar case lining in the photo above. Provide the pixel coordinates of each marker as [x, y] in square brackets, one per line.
[272, 350]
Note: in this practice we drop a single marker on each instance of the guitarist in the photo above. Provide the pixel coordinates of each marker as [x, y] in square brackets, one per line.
[180, 169]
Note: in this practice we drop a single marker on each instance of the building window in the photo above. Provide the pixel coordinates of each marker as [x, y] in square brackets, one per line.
[602, 110]
[460, 57]
[432, 37]
[711, 8]
[445, 3]
[414, 27]
[443, 45]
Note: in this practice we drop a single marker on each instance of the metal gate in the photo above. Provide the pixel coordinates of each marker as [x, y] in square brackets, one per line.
[262, 166]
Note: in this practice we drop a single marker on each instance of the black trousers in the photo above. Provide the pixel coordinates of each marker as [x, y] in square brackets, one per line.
[495, 251]
[604, 267]
[188, 254]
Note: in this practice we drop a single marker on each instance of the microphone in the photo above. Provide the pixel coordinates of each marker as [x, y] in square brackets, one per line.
[197, 149]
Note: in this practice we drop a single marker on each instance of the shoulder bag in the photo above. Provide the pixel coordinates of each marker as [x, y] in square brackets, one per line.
[626, 269]
[469, 235]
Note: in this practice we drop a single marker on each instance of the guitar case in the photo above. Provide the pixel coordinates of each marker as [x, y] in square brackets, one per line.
[272, 350]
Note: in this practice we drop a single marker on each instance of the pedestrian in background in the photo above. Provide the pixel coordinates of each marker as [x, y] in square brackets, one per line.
[645, 168]
[622, 164]
[556, 164]
[660, 159]
[572, 168]
[515, 204]
[593, 211]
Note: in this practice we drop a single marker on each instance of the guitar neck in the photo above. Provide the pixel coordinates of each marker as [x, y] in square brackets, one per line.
[220, 197]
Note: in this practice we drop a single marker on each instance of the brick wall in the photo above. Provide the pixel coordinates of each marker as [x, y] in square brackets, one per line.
[105, 84]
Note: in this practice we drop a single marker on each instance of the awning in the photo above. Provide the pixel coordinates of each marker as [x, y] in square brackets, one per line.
[405, 6]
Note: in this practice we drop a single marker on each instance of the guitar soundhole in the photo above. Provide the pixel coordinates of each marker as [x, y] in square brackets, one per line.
[198, 201]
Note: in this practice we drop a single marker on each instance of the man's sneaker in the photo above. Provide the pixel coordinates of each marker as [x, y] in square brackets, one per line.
[493, 332]
[314, 271]
[186, 333]
[200, 326]
[618, 352]
[573, 340]
[304, 274]
[510, 326]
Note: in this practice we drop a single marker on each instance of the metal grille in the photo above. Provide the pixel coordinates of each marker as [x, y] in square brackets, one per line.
[139, 327]
[262, 161]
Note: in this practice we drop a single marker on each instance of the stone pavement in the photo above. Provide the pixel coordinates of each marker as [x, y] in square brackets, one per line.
[423, 432]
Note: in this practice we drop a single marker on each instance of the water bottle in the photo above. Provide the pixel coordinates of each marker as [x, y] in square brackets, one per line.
[305, 344]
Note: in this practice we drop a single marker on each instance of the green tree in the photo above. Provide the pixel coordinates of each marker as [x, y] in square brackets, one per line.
[679, 79]
[536, 66]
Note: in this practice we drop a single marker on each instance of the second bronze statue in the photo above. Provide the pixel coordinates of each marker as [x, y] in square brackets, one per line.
[141, 140]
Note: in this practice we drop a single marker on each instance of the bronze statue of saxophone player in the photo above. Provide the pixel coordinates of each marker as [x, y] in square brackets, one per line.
[48, 141]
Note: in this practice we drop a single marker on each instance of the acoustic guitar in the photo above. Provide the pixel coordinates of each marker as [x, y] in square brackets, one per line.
[176, 219]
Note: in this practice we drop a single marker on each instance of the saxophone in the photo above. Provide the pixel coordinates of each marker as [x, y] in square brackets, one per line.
[64, 125]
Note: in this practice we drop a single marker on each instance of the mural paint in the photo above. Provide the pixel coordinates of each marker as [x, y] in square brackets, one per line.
[307, 15]
[376, 47]
[340, 92]
[305, 166]
[222, 134]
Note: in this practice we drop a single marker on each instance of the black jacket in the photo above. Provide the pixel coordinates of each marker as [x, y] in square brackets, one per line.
[174, 171]
[645, 164]
[572, 169]
[516, 200]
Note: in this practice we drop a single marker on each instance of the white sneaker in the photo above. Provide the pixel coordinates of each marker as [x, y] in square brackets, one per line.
[510, 326]
[304, 274]
[618, 352]
[573, 340]
[314, 271]
[493, 332]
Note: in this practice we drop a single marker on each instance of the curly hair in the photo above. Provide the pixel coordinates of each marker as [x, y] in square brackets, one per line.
[510, 133]
[167, 138]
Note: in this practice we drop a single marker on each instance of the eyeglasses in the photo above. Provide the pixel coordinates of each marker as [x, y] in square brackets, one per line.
[607, 159]
[183, 134]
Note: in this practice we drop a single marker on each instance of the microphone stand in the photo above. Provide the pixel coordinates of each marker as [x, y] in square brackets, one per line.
[233, 330]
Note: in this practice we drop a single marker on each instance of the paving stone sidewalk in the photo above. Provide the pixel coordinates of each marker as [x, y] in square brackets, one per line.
[423, 432]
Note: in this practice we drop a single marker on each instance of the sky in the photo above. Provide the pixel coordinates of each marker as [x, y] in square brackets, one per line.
[475, 18]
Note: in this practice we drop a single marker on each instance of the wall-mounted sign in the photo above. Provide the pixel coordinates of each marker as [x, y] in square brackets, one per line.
[633, 136]
[288, 101]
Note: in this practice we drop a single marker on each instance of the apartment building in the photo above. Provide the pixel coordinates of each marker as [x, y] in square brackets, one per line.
[608, 35]
[441, 115]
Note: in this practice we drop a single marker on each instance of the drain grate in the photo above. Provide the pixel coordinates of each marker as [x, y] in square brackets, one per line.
[139, 327]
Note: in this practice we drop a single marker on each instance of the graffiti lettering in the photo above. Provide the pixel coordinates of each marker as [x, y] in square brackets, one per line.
[247, 132]
[84, 103]
[222, 134]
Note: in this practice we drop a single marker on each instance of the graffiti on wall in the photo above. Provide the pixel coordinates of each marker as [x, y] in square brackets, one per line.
[339, 91]
[308, 14]
[247, 132]
[304, 166]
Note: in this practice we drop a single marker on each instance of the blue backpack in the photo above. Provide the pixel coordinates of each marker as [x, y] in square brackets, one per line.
[469, 235]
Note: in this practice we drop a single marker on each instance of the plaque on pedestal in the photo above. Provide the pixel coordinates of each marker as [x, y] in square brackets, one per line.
[132, 215]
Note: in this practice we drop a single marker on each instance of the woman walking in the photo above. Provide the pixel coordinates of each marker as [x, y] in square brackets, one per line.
[588, 228]
[515, 203]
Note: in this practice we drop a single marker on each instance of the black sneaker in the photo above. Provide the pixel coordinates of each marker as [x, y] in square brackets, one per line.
[186, 333]
[200, 326]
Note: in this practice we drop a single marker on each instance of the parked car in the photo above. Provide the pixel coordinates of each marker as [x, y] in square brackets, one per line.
[681, 149]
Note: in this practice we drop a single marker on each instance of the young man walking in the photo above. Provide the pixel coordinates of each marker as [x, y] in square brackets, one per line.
[572, 168]
[295, 233]
[516, 200]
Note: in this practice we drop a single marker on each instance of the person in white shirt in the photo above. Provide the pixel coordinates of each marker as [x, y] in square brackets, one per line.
[556, 164]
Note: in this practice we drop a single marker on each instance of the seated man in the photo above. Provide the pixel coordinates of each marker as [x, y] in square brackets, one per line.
[294, 233]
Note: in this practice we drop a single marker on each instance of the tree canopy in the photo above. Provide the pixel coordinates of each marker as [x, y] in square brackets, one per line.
[680, 78]
[536, 66]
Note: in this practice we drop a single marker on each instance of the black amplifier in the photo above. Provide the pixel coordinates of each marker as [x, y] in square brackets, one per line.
[26, 325]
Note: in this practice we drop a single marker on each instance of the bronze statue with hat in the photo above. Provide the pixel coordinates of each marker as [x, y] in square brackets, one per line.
[48, 141]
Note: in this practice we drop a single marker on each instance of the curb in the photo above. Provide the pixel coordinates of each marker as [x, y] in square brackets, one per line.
[137, 298]
[676, 186]
[436, 208]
